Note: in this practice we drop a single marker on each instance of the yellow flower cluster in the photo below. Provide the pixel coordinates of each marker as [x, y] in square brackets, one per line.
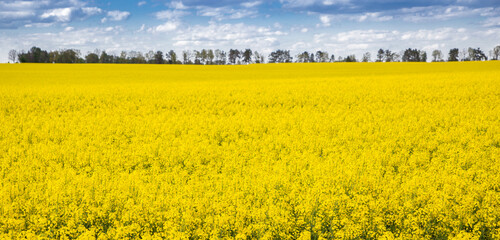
[275, 151]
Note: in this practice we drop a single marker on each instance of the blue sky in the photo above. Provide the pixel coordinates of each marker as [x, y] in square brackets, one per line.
[340, 27]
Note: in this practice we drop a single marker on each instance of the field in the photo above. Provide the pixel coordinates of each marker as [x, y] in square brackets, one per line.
[275, 151]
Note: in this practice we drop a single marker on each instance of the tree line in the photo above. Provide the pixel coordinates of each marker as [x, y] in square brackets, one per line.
[247, 56]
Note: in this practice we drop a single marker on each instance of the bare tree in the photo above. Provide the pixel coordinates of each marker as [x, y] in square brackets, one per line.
[496, 53]
[13, 55]
[220, 57]
[150, 56]
[186, 57]
[303, 57]
[396, 57]
[258, 58]
[437, 56]
[476, 54]
[463, 55]
[210, 56]
[366, 57]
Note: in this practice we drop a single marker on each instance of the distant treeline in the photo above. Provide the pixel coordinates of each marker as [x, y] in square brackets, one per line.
[247, 56]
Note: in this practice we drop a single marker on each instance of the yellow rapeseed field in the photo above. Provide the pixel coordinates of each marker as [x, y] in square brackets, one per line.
[275, 151]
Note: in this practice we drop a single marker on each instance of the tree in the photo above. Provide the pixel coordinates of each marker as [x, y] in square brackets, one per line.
[210, 56]
[234, 55]
[380, 55]
[247, 56]
[476, 54]
[12, 55]
[437, 56]
[136, 57]
[280, 56]
[123, 58]
[464, 55]
[303, 57]
[149, 56]
[53, 56]
[171, 57]
[34, 55]
[92, 58]
[332, 58]
[197, 57]
[321, 56]
[158, 57]
[311, 58]
[186, 57]
[366, 57]
[105, 58]
[69, 56]
[204, 56]
[495, 55]
[414, 55]
[350, 58]
[396, 57]
[220, 57]
[258, 58]
[423, 56]
[453, 55]
[389, 56]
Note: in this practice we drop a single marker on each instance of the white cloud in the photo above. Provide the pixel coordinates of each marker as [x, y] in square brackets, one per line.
[439, 13]
[227, 35]
[372, 16]
[304, 30]
[251, 4]
[177, 5]
[298, 46]
[58, 14]
[308, 3]
[492, 22]
[357, 46]
[141, 29]
[365, 36]
[89, 11]
[141, 3]
[414, 14]
[86, 38]
[39, 25]
[439, 34]
[432, 47]
[116, 16]
[16, 14]
[166, 27]
[360, 41]
[21, 4]
[171, 14]
[325, 20]
[384, 37]
[222, 13]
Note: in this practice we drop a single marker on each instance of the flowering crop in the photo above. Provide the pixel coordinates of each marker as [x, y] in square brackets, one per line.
[275, 151]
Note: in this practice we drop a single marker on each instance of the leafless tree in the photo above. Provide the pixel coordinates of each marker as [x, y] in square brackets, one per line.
[13, 55]
[437, 56]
